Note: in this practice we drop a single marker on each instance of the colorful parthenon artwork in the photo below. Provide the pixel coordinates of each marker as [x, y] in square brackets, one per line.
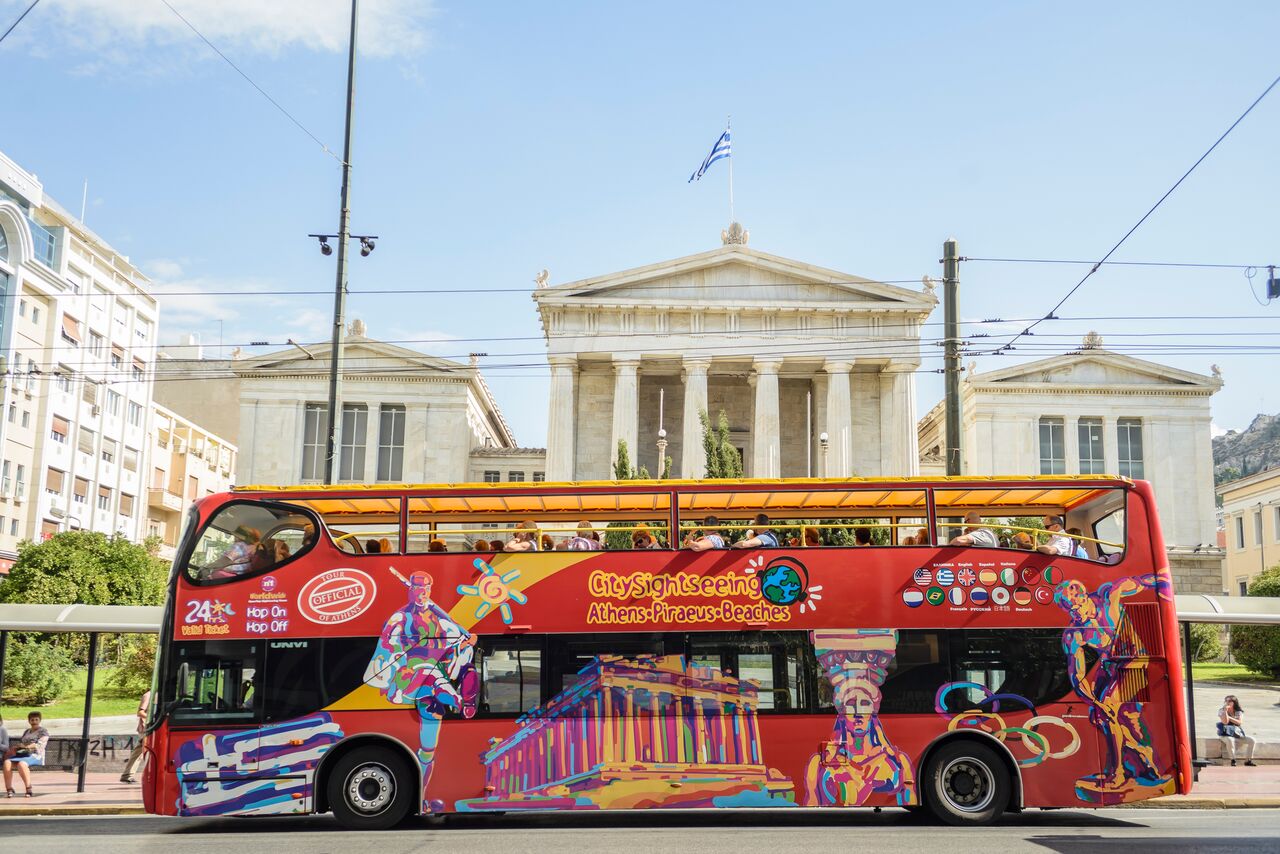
[651, 731]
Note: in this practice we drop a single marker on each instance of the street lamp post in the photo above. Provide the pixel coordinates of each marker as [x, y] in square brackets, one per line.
[823, 441]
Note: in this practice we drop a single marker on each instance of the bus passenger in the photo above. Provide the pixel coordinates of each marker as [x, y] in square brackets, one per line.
[585, 539]
[1080, 550]
[437, 545]
[642, 538]
[372, 547]
[1022, 540]
[761, 538]
[811, 538]
[480, 546]
[1059, 543]
[236, 559]
[862, 537]
[975, 534]
[525, 539]
[547, 543]
[707, 538]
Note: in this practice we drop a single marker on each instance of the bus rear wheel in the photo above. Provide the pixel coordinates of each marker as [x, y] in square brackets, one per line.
[966, 784]
[371, 789]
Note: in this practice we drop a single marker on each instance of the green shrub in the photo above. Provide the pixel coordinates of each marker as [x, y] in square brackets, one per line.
[137, 661]
[36, 673]
[1206, 642]
[1258, 647]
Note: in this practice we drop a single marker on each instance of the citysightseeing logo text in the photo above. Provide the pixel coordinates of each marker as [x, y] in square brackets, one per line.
[646, 597]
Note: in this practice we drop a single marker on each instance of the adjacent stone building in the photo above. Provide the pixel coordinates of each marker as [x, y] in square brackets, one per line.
[790, 351]
[1093, 411]
[1251, 513]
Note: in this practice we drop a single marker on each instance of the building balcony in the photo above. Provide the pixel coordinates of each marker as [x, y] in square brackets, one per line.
[163, 499]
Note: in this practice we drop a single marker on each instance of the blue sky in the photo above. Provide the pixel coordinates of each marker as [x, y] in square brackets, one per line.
[495, 139]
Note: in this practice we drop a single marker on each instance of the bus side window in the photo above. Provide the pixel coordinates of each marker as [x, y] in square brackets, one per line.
[215, 681]
[510, 675]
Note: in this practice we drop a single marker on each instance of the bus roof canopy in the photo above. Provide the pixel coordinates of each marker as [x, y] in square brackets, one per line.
[954, 495]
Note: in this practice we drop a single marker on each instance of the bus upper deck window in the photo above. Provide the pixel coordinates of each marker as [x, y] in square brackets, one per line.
[245, 538]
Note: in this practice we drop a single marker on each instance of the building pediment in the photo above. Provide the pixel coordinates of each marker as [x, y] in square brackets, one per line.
[735, 275]
[358, 353]
[1096, 369]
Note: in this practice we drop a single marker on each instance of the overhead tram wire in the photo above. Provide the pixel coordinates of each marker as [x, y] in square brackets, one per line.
[250, 81]
[1184, 264]
[14, 25]
[1098, 265]
[776, 331]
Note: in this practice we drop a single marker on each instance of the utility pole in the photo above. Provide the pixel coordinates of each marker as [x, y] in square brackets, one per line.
[951, 365]
[340, 288]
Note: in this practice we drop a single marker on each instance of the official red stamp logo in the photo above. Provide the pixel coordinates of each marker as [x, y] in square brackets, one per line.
[336, 596]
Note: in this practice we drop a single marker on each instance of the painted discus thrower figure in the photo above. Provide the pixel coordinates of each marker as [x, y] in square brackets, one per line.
[1131, 769]
[425, 658]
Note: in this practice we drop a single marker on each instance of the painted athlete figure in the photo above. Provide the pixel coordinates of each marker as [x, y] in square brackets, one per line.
[425, 658]
[1130, 762]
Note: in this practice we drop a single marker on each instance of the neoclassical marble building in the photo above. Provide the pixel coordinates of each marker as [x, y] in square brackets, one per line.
[789, 351]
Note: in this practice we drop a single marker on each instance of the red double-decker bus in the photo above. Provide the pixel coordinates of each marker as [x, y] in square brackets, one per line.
[967, 646]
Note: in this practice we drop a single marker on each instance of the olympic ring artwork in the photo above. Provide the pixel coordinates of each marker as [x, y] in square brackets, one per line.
[987, 718]
[1070, 749]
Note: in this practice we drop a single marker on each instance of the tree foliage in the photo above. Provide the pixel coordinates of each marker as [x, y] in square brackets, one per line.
[1258, 647]
[36, 673]
[87, 568]
[137, 660]
[1206, 642]
[723, 459]
[622, 468]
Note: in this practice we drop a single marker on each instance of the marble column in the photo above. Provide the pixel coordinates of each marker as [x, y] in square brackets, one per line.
[899, 454]
[1111, 446]
[766, 444]
[561, 436]
[839, 427]
[693, 462]
[626, 409]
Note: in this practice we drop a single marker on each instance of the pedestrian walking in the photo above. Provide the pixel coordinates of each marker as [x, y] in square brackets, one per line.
[134, 764]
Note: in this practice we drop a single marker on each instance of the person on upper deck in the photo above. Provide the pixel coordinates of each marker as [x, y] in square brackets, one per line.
[975, 534]
[759, 538]
[861, 537]
[525, 538]
[1080, 551]
[585, 539]
[1059, 543]
[709, 537]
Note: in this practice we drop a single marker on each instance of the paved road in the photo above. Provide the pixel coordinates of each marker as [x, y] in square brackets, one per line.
[891, 832]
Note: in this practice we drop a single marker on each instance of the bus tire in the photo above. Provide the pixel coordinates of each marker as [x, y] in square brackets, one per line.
[371, 788]
[966, 784]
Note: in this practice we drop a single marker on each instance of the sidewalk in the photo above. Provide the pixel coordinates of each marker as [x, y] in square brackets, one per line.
[55, 794]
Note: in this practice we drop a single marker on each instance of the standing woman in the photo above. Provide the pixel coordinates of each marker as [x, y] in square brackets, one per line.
[1231, 729]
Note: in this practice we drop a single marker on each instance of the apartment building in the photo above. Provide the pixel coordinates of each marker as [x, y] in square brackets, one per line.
[78, 334]
[1251, 513]
[185, 463]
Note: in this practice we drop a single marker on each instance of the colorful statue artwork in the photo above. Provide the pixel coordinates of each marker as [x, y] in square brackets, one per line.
[425, 658]
[859, 760]
[1131, 769]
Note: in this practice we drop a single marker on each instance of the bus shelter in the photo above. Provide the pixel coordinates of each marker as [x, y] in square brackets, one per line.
[93, 620]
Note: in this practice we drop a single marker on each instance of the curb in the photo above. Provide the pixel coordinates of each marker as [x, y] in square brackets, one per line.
[1195, 803]
[72, 809]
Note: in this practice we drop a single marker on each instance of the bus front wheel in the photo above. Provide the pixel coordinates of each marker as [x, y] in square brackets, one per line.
[370, 789]
[967, 784]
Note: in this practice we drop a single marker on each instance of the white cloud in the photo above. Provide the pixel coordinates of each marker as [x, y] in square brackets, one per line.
[113, 29]
[1215, 430]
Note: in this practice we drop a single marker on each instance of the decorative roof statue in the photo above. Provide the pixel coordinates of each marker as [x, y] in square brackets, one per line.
[1092, 341]
[540, 280]
[930, 285]
[735, 235]
[1217, 372]
[357, 329]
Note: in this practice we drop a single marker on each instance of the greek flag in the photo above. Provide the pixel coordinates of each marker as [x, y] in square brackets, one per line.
[719, 151]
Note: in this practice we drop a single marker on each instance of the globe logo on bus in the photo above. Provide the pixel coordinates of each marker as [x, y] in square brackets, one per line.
[784, 581]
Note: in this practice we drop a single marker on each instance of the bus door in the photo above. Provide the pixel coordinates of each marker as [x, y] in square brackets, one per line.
[214, 718]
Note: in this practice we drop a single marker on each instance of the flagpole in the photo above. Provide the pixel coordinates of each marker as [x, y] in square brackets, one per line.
[728, 126]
